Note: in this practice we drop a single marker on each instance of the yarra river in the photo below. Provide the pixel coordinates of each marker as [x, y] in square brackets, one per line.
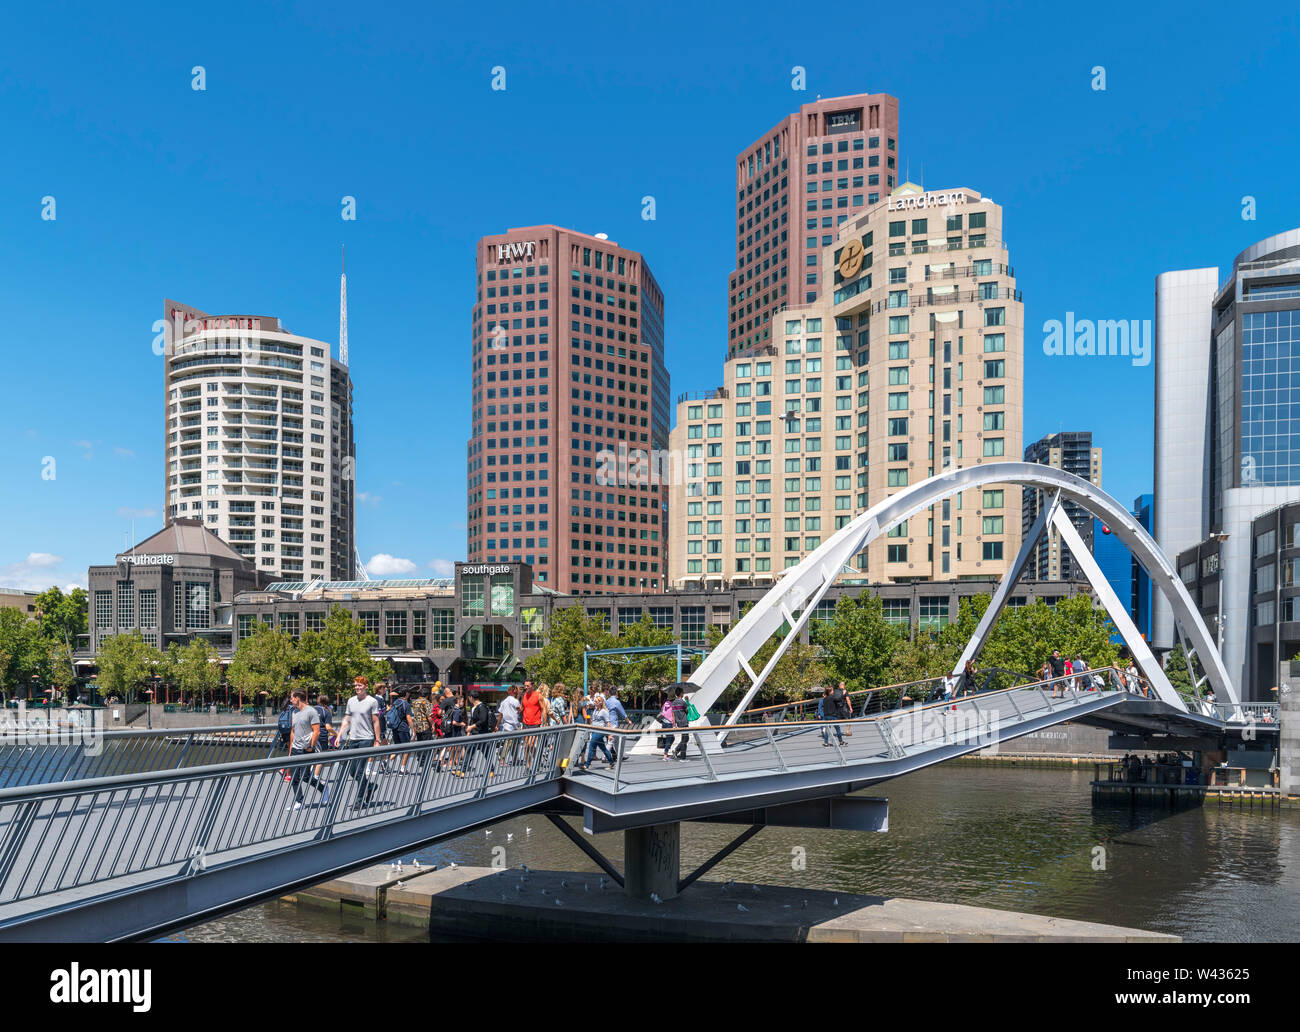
[1009, 838]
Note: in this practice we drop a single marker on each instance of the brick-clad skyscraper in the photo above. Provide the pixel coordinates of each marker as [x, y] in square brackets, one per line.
[795, 186]
[568, 366]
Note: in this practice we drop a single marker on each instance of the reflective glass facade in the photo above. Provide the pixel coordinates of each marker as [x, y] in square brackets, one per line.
[1270, 398]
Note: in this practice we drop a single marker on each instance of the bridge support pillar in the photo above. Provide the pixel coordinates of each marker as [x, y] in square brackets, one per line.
[652, 860]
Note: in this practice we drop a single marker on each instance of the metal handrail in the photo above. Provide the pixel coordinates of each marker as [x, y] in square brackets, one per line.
[137, 830]
[42, 756]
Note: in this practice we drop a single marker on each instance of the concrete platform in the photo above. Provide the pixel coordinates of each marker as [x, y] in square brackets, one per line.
[482, 903]
[379, 893]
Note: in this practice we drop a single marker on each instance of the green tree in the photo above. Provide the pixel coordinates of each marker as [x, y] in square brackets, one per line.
[857, 644]
[1023, 637]
[61, 671]
[263, 662]
[571, 632]
[62, 617]
[127, 663]
[643, 674]
[198, 669]
[1176, 670]
[331, 658]
[24, 654]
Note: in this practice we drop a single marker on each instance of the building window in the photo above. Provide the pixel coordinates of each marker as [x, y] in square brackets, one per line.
[503, 594]
[897, 611]
[370, 621]
[289, 624]
[198, 606]
[934, 613]
[125, 605]
[149, 607]
[442, 631]
[395, 629]
[314, 620]
[471, 597]
[419, 630]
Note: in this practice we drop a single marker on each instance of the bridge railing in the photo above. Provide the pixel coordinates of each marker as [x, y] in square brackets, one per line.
[930, 689]
[779, 746]
[65, 842]
[32, 756]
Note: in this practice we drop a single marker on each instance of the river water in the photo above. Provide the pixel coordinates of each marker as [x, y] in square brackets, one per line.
[1004, 837]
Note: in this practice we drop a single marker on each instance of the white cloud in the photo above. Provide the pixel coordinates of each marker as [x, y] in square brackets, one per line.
[383, 565]
[31, 574]
[125, 453]
[127, 513]
[366, 498]
[87, 447]
[442, 567]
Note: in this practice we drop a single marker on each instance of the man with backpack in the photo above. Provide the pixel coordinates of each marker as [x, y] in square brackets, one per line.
[305, 729]
[284, 725]
[843, 708]
[480, 723]
[400, 724]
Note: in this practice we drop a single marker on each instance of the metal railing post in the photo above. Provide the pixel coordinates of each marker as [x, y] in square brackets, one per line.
[780, 760]
[713, 775]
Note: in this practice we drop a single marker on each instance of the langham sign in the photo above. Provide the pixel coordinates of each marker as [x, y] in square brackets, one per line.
[938, 199]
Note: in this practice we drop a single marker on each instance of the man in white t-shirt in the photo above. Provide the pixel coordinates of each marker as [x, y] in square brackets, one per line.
[360, 730]
[509, 718]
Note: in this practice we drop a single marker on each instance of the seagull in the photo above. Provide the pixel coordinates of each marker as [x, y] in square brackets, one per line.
[509, 837]
[417, 865]
[563, 884]
[654, 898]
[454, 865]
[399, 884]
[558, 903]
[528, 831]
[755, 888]
[742, 908]
[488, 832]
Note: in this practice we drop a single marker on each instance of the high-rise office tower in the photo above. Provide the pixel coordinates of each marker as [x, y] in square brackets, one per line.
[1074, 453]
[796, 185]
[569, 399]
[259, 447]
[911, 362]
[1228, 448]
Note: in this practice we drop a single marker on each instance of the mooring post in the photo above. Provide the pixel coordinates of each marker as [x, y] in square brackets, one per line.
[652, 860]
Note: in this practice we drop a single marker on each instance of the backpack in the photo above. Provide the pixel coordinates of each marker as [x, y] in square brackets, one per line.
[284, 725]
[394, 719]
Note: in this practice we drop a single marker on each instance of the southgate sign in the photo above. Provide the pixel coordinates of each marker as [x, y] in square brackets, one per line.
[148, 560]
[940, 199]
[521, 250]
[471, 570]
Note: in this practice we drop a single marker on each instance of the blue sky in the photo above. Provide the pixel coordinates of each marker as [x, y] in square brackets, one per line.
[229, 200]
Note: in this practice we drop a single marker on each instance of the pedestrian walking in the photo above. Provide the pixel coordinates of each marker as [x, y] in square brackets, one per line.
[480, 723]
[1057, 665]
[599, 718]
[510, 718]
[306, 729]
[326, 735]
[968, 678]
[843, 708]
[828, 710]
[559, 705]
[617, 717]
[534, 714]
[422, 716]
[680, 719]
[360, 730]
[665, 742]
[401, 724]
[455, 724]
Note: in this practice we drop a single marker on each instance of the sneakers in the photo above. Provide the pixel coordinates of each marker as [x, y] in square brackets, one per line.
[295, 806]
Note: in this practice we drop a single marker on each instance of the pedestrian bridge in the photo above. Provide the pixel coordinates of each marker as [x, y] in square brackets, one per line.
[128, 855]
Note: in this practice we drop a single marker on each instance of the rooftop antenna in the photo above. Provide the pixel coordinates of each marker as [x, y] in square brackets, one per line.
[343, 310]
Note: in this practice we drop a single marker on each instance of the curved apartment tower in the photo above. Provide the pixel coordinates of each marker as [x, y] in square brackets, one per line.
[259, 446]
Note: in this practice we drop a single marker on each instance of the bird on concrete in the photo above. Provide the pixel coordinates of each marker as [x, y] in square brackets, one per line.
[399, 885]
[528, 831]
[454, 865]
[509, 837]
[742, 908]
[417, 865]
[488, 831]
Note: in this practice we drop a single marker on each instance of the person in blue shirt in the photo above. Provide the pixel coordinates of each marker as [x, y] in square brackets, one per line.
[617, 716]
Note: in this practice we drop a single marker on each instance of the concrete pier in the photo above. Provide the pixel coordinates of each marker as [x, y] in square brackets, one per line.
[484, 903]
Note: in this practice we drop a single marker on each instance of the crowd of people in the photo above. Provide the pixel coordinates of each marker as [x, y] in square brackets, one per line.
[396, 715]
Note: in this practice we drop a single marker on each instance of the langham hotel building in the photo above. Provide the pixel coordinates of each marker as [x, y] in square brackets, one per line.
[568, 367]
[911, 361]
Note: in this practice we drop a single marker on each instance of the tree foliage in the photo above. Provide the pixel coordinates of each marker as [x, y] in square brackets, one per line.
[571, 632]
[329, 659]
[263, 662]
[127, 663]
[857, 644]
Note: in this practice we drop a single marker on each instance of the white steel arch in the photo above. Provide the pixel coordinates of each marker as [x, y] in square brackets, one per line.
[802, 586]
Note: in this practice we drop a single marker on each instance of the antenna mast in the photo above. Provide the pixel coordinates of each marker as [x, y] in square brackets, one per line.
[343, 310]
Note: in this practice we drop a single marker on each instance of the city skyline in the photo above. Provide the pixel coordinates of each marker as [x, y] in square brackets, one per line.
[131, 202]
